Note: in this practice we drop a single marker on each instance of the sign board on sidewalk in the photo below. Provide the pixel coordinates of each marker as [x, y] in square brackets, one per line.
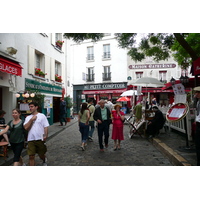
[177, 112]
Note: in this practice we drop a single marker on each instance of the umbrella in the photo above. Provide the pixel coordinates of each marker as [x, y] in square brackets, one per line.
[129, 93]
[148, 82]
[123, 99]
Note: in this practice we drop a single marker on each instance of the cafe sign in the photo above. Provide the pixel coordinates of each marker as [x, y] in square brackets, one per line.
[152, 66]
[42, 87]
[105, 86]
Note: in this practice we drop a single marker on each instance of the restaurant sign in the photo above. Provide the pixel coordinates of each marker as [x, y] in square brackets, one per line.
[152, 66]
[42, 87]
[105, 86]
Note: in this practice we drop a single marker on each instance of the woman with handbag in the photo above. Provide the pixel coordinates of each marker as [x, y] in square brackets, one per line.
[118, 125]
[83, 120]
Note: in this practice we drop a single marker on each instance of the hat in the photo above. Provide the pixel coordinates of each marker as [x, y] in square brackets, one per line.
[117, 105]
[197, 89]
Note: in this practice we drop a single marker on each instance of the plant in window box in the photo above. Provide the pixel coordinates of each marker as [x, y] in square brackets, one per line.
[42, 74]
[37, 71]
[59, 43]
[58, 78]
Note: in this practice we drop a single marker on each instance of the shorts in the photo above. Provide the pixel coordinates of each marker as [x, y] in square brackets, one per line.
[36, 146]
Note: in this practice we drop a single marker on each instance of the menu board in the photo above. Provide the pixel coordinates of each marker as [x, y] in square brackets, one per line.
[177, 112]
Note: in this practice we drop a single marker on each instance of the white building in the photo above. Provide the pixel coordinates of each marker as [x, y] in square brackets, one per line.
[30, 51]
[98, 70]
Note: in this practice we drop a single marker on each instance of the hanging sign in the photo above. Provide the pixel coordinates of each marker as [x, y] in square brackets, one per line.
[177, 112]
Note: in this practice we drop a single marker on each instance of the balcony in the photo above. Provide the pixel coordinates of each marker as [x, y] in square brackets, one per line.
[89, 77]
[90, 57]
[106, 76]
[106, 55]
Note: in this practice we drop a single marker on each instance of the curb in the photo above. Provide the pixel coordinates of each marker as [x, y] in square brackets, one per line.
[173, 156]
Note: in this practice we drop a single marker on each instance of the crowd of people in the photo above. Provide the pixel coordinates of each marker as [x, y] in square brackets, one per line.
[103, 114]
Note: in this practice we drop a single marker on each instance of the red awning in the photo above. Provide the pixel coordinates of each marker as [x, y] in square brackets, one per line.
[10, 67]
[103, 91]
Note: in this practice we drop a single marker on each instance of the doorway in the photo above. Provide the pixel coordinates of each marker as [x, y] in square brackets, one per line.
[56, 109]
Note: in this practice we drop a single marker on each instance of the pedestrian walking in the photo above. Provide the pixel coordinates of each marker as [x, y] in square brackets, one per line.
[91, 121]
[37, 126]
[62, 112]
[118, 125]
[197, 120]
[17, 136]
[83, 121]
[103, 117]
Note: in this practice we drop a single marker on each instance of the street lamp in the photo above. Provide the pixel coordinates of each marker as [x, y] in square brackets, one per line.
[184, 79]
[172, 81]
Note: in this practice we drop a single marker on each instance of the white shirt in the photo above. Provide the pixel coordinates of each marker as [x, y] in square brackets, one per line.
[37, 130]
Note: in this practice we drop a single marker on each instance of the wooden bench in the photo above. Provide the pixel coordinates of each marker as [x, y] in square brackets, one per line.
[5, 149]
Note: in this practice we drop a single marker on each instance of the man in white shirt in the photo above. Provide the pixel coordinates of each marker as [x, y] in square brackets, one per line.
[197, 120]
[37, 126]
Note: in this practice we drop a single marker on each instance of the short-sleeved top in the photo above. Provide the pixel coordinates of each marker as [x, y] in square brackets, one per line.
[83, 117]
[37, 130]
[2, 120]
[91, 109]
[17, 132]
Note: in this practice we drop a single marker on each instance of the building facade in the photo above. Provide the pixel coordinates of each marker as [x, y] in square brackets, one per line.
[40, 57]
[98, 70]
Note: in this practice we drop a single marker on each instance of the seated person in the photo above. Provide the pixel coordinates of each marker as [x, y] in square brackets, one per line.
[3, 137]
[156, 123]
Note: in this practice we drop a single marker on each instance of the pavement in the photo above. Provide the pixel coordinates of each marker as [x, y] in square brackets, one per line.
[167, 149]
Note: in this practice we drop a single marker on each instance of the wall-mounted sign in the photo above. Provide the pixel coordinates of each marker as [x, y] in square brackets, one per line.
[42, 87]
[152, 66]
[105, 86]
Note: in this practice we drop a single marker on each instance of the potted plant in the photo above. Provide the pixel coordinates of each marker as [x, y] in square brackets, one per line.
[58, 78]
[69, 104]
[59, 43]
[37, 71]
[42, 74]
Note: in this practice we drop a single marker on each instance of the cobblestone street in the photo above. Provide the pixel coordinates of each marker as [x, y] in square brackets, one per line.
[64, 150]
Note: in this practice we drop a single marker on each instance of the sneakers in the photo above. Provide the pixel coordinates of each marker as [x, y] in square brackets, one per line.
[82, 147]
[45, 162]
[90, 139]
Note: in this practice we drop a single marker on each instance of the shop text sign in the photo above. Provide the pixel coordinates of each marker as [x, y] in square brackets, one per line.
[152, 66]
[105, 86]
[42, 87]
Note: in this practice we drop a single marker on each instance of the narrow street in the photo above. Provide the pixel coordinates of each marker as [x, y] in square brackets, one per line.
[64, 150]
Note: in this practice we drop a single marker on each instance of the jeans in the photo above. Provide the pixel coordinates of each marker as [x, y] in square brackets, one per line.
[103, 129]
[84, 129]
[91, 128]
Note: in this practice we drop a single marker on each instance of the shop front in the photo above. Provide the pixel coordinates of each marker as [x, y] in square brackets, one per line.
[10, 69]
[107, 91]
[51, 94]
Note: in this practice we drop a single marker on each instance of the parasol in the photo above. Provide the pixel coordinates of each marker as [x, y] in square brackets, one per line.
[148, 82]
[123, 99]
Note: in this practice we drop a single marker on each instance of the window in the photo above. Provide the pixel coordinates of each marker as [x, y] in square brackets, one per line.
[59, 41]
[106, 51]
[138, 75]
[39, 60]
[90, 53]
[162, 76]
[107, 73]
[90, 75]
[58, 72]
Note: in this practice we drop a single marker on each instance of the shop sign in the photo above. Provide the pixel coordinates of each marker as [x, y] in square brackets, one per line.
[152, 66]
[10, 67]
[42, 87]
[105, 86]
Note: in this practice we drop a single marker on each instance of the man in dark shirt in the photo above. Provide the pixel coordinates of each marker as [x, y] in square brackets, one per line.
[103, 117]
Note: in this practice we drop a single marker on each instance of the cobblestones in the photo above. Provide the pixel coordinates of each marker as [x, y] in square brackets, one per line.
[64, 150]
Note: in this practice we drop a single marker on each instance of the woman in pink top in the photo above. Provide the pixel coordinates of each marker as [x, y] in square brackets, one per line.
[117, 131]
